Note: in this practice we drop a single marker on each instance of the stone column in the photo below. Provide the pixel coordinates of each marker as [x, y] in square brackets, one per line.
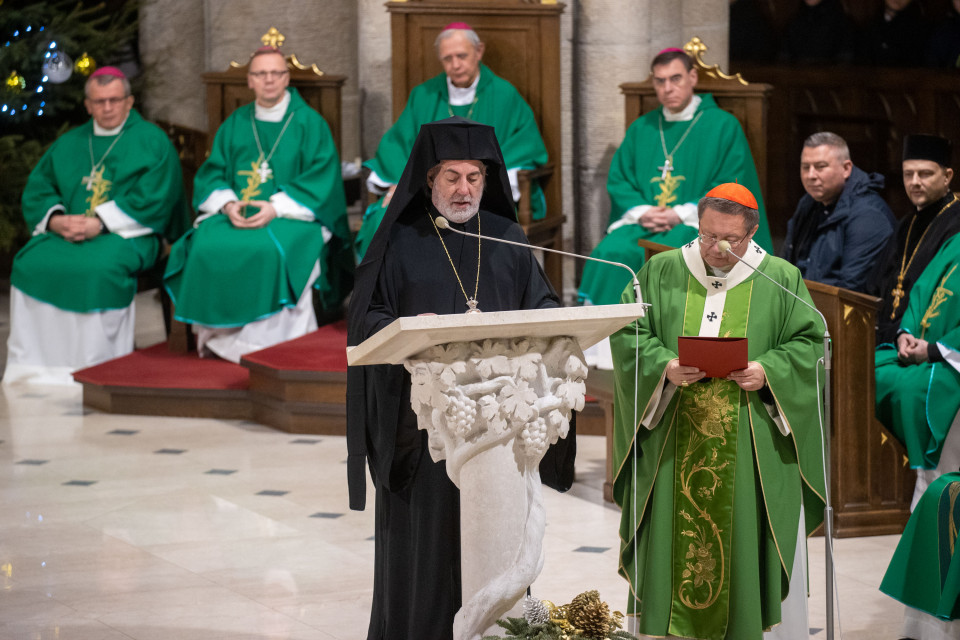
[172, 49]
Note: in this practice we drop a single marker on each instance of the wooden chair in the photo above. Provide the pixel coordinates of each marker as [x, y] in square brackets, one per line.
[522, 41]
[746, 100]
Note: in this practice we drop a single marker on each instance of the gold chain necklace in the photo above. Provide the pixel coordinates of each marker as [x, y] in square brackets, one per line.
[898, 291]
[470, 112]
[668, 157]
[471, 302]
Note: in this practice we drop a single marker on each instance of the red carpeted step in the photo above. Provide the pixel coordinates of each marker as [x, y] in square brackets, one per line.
[323, 350]
[158, 368]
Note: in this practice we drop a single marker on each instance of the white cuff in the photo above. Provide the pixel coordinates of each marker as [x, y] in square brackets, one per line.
[514, 183]
[777, 418]
[658, 402]
[287, 207]
[630, 216]
[688, 214]
[952, 357]
[118, 222]
[215, 201]
[41, 227]
[376, 184]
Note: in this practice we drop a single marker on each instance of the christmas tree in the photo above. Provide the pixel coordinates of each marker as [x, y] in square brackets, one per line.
[47, 50]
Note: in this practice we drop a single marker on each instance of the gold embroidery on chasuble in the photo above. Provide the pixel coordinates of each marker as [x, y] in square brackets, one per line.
[940, 296]
[706, 453]
[668, 184]
[98, 188]
[707, 425]
[255, 177]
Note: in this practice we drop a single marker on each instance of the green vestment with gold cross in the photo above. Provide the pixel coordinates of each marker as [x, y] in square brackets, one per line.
[137, 172]
[918, 402]
[709, 477]
[497, 103]
[222, 276]
[713, 151]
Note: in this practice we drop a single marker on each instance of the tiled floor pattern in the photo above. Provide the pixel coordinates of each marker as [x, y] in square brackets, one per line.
[124, 527]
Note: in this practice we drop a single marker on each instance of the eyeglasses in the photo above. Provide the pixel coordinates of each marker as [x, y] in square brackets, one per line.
[710, 240]
[102, 102]
[259, 75]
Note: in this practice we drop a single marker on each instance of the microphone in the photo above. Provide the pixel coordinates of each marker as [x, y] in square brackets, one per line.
[442, 222]
[826, 430]
[723, 245]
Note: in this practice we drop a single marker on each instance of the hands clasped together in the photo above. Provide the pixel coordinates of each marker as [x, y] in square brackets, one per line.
[235, 211]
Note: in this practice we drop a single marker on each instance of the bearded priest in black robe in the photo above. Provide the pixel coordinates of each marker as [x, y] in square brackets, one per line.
[413, 267]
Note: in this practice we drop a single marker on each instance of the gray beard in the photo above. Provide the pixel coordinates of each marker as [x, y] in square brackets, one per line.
[458, 217]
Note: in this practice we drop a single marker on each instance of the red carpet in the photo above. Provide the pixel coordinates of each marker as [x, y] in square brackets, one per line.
[323, 350]
[157, 368]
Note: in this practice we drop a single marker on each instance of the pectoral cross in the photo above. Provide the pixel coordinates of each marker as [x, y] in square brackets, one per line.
[472, 306]
[264, 171]
[93, 178]
[666, 169]
[898, 293]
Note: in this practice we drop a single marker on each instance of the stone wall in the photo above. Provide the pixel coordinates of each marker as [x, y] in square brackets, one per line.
[604, 43]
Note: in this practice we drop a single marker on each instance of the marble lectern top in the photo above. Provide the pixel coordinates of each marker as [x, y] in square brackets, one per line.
[405, 337]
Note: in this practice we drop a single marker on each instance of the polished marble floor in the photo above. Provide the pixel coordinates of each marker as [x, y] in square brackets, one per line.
[124, 527]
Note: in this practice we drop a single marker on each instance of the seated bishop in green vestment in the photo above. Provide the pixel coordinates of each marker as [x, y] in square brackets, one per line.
[669, 158]
[924, 573]
[719, 479]
[468, 89]
[272, 223]
[918, 379]
[98, 203]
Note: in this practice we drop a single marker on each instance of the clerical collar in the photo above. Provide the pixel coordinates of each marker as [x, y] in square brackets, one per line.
[460, 96]
[100, 131]
[686, 113]
[274, 113]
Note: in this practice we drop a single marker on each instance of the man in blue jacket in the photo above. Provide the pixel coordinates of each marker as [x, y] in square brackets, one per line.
[841, 225]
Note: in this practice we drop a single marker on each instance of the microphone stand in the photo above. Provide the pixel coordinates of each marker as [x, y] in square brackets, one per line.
[442, 222]
[723, 245]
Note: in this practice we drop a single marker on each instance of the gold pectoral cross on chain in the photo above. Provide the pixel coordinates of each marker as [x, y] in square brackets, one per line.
[897, 293]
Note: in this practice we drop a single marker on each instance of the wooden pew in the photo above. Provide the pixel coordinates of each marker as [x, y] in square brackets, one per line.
[871, 484]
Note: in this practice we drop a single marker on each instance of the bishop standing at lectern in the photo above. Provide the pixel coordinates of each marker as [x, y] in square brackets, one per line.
[414, 267]
[715, 475]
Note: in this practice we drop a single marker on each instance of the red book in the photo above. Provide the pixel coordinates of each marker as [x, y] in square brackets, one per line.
[715, 356]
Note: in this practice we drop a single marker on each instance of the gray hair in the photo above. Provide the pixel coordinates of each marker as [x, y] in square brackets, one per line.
[830, 139]
[434, 171]
[750, 216]
[470, 34]
[105, 80]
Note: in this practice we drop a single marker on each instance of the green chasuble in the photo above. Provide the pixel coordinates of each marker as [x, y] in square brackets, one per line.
[918, 402]
[710, 477]
[497, 104]
[221, 276]
[712, 150]
[138, 172]
[924, 572]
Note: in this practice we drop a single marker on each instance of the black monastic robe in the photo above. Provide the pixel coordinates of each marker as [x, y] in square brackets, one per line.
[417, 572]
